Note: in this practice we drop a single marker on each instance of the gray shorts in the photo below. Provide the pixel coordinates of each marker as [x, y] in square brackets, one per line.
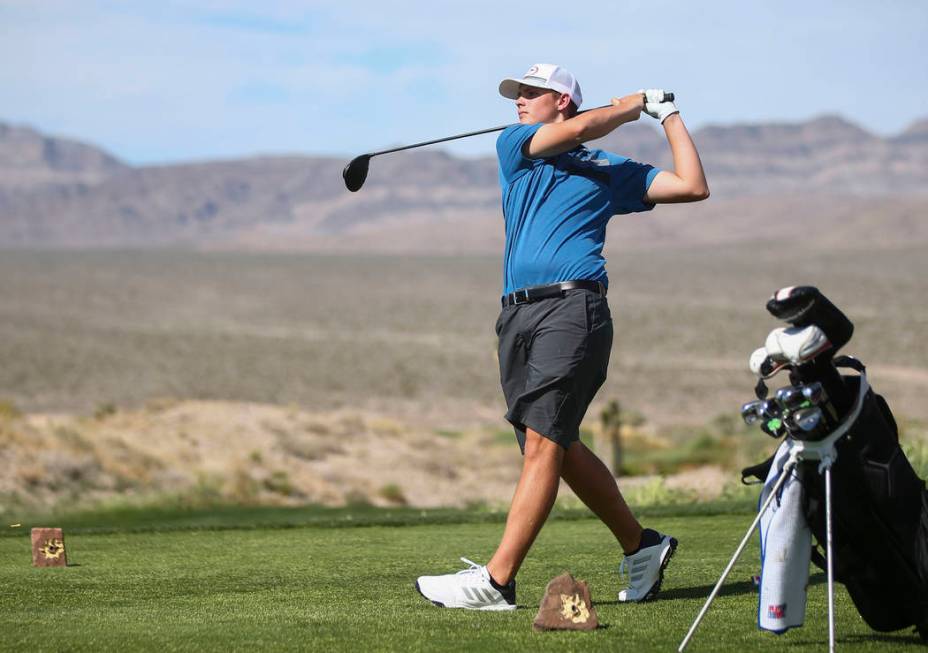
[553, 356]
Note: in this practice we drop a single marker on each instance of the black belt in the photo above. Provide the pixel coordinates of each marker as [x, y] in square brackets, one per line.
[534, 293]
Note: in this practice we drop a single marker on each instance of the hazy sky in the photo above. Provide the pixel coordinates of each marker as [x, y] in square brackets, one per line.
[172, 80]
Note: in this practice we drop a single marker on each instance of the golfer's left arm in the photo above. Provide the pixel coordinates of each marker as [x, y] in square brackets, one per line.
[687, 181]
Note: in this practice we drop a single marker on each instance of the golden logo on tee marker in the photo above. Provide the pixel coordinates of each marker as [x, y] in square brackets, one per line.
[52, 549]
[574, 608]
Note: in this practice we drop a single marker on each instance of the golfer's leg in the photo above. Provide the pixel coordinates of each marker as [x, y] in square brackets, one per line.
[531, 503]
[592, 482]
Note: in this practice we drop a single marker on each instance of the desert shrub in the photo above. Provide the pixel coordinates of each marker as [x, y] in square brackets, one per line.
[9, 409]
[58, 470]
[279, 483]
[243, 488]
[503, 437]
[317, 428]
[392, 493]
[206, 491]
[917, 453]
[104, 410]
[73, 438]
[355, 497]
[655, 493]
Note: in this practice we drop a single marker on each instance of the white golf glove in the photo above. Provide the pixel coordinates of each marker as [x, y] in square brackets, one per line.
[655, 106]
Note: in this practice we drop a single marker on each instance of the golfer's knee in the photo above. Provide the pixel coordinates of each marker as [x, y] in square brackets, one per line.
[539, 448]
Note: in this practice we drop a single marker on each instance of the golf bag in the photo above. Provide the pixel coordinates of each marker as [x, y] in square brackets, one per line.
[879, 520]
[879, 504]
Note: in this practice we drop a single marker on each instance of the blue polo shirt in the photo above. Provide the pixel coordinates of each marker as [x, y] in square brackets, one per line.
[556, 209]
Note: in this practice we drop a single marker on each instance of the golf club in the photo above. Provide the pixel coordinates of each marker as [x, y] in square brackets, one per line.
[750, 412]
[791, 397]
[807, 420]
[814, 392]
[770, 409]
[355, 173]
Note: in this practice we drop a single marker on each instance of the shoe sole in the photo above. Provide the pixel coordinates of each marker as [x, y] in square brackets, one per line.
[494, 608]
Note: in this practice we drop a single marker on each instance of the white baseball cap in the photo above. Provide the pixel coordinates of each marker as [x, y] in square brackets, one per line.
[544, 75]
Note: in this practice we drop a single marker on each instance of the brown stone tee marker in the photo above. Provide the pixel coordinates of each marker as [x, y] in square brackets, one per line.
[48, 548]
[566, 606]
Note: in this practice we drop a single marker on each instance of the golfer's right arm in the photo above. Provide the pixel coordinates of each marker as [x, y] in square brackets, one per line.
[559, 137]
[687, 181]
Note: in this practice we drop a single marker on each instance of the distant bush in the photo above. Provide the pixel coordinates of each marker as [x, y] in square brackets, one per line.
[392, 493]
[279, 483]
[917, 453]
[104, 410]
[9, 410]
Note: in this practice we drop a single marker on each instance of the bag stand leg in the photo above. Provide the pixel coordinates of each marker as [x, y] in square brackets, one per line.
[787, 470]
[826, 464]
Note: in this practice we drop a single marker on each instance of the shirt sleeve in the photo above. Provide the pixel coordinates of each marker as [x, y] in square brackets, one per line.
[509, 150]
[630, 181]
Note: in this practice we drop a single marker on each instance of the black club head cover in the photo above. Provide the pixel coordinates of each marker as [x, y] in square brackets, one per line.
[805, 305]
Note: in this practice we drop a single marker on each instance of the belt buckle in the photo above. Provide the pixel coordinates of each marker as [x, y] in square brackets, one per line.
[515, 297]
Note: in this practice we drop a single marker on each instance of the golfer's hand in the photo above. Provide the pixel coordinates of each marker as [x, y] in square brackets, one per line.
[635, 101]
[655, 107]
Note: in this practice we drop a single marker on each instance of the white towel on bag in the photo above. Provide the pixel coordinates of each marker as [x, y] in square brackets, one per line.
[785, 550]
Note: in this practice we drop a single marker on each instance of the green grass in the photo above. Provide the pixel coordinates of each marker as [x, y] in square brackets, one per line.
[184, 581]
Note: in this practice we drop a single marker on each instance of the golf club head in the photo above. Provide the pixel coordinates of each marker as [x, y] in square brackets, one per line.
[750, 412]
[790, 397]
[770, 409]
[807, 420]
[355, 173]
[814, 393]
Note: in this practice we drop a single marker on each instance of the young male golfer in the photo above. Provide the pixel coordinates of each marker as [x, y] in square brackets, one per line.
[555, 330]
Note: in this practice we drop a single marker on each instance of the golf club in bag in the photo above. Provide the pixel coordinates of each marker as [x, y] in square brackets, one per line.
[853, 488]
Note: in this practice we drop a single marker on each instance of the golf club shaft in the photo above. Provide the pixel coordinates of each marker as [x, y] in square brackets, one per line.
[667, 96]
[441, 140]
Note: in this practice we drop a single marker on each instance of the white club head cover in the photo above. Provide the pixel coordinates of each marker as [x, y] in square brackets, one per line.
[757, 360]
[763, 365]
[796, 345]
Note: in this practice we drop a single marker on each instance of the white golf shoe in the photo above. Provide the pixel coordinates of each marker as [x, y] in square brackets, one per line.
[646, 570]
[470, 588]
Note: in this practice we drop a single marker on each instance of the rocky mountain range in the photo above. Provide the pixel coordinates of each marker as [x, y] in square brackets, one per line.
[826, 178]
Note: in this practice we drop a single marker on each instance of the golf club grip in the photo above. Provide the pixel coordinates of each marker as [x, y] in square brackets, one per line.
[668, 96]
